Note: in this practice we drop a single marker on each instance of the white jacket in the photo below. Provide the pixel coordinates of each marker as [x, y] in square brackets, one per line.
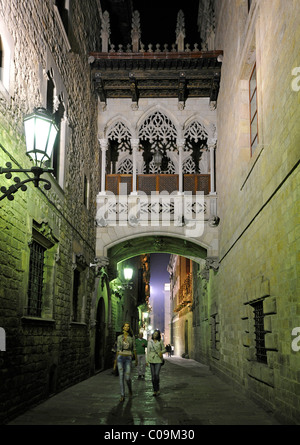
[154, 348]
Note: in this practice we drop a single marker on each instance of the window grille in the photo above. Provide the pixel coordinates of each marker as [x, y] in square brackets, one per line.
[261, 353]
[36, 272]
[76, 285]
[213, 332]
[253, 111]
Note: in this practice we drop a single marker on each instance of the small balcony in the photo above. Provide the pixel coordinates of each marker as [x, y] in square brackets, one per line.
[156, 200]
[121, 184]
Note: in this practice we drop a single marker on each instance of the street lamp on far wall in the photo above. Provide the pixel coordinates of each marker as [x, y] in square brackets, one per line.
[128, 272]
[40, 135]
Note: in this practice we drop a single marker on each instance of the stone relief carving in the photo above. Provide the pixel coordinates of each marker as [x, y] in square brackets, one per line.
[158, 126]
[105, 31]
[135, 31]
[180, 31]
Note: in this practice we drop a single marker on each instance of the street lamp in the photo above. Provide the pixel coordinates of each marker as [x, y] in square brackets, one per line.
[157, 158]
[128, 273]
[40, 134]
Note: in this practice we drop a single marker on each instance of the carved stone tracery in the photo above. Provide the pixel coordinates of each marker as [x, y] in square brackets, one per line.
[158, 132]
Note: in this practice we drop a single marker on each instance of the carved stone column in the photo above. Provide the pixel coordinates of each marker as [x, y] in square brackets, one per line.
[180, 31]
[211, 143]
[104, 147]
[135, 31]
[180, 145]
[134, 146]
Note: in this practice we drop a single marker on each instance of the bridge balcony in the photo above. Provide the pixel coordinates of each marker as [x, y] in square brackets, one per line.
[157, 200]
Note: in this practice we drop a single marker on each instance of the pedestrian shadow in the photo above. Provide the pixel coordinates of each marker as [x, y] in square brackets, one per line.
[175, 386]
[121, 414]
[174, 415]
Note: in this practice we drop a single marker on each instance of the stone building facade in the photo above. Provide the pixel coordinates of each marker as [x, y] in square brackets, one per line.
[244, 316]
[245, 313]
[253, 298]
[44, 63]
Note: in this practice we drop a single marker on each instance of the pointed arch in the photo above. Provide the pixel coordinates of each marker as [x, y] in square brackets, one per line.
[163, 110]
[115, 121]
[208, 126]
[118, 128]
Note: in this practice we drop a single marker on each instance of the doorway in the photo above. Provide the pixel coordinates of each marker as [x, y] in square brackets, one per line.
[100, 335]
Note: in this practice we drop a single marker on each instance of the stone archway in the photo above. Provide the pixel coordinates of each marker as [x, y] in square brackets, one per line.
[154, 244]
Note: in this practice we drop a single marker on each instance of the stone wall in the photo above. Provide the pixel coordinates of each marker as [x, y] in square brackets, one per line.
[258, 198]
[49, 353]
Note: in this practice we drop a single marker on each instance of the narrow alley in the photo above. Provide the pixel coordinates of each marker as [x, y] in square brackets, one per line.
[190, 395]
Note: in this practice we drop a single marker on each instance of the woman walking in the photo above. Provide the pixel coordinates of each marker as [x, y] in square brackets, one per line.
[155, 351]
[125, 353]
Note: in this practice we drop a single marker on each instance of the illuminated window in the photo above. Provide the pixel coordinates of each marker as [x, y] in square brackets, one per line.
[253, 111]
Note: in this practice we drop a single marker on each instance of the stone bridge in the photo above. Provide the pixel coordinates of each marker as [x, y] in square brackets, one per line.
[128, 226]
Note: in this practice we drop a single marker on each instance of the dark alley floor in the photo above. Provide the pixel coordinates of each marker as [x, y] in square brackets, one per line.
[190, 395]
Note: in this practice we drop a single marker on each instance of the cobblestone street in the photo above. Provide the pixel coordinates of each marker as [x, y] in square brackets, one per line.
[190, 395]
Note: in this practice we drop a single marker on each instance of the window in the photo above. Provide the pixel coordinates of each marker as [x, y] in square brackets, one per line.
[86, 191]
[261, 353]
[63, 12]
[249, 4]
[6, 60]
[76, 287]
[253, 111]
[41, 285]
[78, 292]
[59, 117]
[36, 275]
[62, 15]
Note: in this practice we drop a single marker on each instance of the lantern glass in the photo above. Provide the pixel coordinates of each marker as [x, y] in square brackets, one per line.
[40, 134]
[157, 158]
[128, 273]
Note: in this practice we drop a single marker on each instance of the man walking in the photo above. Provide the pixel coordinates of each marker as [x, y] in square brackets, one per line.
[141, 345]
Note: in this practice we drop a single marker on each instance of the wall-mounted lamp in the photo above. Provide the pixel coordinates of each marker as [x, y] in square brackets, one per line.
[127, 273]
[40, 135]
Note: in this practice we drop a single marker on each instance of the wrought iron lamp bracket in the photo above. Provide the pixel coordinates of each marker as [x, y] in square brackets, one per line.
[36, 179]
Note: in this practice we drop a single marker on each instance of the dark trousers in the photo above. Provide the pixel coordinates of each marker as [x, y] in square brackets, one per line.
[155, 370]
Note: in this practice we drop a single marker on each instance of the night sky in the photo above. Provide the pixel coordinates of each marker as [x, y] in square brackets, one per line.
[158, 20]
[158, 277]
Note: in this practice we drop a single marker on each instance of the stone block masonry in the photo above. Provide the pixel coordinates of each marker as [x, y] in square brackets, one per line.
[258, 199]
[45, 354]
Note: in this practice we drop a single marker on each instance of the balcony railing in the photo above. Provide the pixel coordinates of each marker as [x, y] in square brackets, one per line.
[121, 184]
[157, 205]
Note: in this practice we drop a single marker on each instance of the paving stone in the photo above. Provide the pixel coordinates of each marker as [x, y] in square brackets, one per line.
[190, 395]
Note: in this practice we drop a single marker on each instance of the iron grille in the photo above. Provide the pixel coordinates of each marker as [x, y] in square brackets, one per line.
[35, 286]
[261, 353]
